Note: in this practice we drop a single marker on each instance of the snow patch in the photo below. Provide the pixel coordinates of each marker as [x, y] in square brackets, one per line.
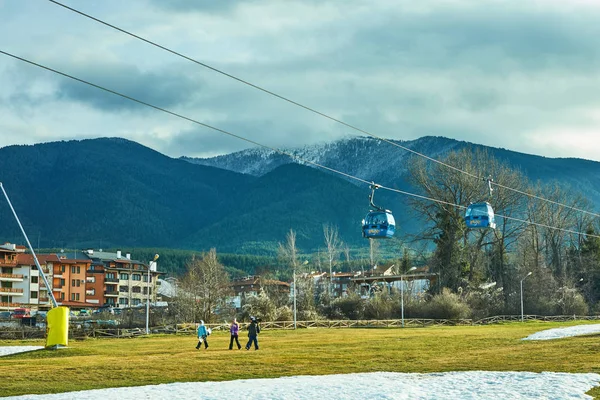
[377, 385]
[558, 333]
[8, 350]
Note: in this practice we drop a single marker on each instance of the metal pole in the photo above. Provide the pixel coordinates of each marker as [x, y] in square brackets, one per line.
[294, 298]
[402, 297]
[525, 277]
[522, 319]
[148, 302]
[35, 259]
[148, 293]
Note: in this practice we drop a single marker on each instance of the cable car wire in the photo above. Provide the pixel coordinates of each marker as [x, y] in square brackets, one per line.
[114, 92]
[281, 97]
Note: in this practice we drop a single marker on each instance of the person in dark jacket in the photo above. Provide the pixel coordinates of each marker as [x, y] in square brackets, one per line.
[253, 331]
[234, 330]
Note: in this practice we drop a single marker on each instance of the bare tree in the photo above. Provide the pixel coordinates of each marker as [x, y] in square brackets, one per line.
[205, 285]
[333, 243]
[289, 253]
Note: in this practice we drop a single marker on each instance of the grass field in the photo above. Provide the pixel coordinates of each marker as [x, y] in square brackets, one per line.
[101, 363]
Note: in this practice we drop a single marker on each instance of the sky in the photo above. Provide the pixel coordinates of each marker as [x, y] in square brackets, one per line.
[377, 385]
[524, 76]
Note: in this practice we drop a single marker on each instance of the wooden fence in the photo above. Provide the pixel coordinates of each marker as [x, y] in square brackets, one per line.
[190, 328]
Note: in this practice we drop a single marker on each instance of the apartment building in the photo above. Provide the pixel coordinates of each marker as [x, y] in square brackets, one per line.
[11, 277]
[20, 282]
[77, 280]
[124, 281]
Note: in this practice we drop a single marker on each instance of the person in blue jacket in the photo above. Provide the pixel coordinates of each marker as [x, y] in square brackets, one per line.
[202, 335]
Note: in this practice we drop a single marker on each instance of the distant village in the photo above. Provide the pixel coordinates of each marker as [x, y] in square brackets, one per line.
[92, 279]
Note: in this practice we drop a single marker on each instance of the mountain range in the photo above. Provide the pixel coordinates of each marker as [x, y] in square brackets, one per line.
[113, 192]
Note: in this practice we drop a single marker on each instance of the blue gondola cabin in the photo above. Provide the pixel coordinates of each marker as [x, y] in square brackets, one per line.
[379, 225]
[480, 215]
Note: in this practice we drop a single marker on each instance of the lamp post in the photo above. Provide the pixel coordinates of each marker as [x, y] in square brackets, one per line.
[402, 294]
[522, 319]
[151, 264]
[294, 298]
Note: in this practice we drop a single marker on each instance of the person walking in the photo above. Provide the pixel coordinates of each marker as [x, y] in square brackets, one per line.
[253, 331]
[234, 330]
[202, 335]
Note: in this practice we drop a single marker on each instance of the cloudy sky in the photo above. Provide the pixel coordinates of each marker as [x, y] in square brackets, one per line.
[518, 75]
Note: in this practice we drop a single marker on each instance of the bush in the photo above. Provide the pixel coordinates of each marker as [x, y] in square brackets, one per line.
[381, 306]
[284, 313]
[569, 302]
[485, 302]
[349, 307]
[260, 306]
[446, 305]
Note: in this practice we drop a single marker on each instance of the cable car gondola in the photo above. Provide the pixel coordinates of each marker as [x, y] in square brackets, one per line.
[379, 222]
[481, 215]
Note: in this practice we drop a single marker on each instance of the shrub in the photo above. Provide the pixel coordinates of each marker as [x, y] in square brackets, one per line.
[381, 306]
[260, 306]
[446, 305]
[349, 307]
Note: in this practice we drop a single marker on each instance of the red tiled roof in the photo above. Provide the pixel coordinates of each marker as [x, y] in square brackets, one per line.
[27, 259]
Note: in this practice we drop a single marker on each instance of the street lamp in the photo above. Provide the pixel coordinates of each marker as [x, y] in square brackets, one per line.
[522, 294]
[402, 294]
[151, 264]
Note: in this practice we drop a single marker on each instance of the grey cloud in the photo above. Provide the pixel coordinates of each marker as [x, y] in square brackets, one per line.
[162, 89]
[207, 6]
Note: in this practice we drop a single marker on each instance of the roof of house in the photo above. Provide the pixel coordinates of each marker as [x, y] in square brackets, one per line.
[27, 259]
[12, 247]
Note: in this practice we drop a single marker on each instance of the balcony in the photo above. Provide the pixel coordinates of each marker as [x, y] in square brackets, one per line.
[44, 299]
[6, 291]
[90, 279]
[10, 305]
[111, 281]
[8, 263]
[111, 293]
[11, 277]
[90, 292]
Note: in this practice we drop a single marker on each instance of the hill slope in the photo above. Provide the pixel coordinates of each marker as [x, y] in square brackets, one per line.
[374, 160]
[109, 192]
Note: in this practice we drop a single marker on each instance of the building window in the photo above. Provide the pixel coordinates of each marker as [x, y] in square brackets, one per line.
[136, 277]
[72, 269]
[62, 282]
[136, 302]
[34, 295]
[73, 282]
[62, 268]
[78, 281]
[123, 301]
[123, 276]
[145, 278]
[34, 279]
[77, 296]
[78, 269]
[111, 275]
[62, 296]
[136, 289]
[124, 289]
[73, 296]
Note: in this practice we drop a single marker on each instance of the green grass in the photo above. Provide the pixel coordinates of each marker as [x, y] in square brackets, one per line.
[101, 363]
